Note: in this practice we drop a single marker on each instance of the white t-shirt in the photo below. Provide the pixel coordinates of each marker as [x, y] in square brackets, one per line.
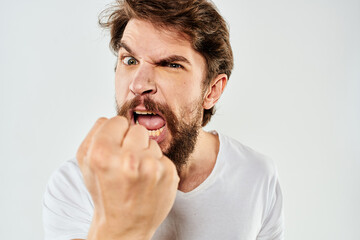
[240, 199]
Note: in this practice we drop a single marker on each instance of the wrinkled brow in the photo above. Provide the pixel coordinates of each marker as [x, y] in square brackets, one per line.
[164, 61]
[172, 59]
[126, 47]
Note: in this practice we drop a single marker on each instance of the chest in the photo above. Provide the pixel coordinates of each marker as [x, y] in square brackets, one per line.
[214, 215]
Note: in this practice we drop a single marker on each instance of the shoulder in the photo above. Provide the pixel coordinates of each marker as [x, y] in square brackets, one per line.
[245, 158]
[66, 186]
[67, 168]
[67, 205]
[67, 176]
[255, 175]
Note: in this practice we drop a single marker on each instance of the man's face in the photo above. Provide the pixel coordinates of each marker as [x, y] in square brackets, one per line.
[159, 85]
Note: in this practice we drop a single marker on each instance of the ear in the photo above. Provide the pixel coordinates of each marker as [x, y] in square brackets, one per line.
[215, 90]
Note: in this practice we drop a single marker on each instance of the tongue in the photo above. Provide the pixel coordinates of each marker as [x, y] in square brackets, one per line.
[151, 122]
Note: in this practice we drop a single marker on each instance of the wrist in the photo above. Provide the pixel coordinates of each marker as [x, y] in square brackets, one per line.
[101, 230]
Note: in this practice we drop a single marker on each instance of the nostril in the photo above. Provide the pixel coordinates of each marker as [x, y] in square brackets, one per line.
[147, 91]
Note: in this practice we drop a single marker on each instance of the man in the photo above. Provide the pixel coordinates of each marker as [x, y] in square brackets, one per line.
[152, 172]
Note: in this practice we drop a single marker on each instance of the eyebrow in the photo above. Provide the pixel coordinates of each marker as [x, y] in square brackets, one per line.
[161, 62]
[172, 58]
[126, 47]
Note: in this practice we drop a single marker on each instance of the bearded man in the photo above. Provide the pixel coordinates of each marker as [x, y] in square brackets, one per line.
[152, 172]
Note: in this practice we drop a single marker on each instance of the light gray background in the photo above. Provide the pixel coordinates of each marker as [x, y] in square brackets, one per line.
[294, 95]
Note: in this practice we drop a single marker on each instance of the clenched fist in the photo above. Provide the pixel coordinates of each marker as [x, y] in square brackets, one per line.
[133, 185]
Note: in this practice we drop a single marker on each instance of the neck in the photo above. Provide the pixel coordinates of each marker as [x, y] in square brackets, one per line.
[201, 162]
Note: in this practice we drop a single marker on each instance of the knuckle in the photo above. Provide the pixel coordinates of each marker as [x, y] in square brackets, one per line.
[100, 120]
[121, 121]
[129, 164]
[149, 167]
[99, 154]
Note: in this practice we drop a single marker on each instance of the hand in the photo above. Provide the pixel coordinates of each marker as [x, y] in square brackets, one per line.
[133, 185]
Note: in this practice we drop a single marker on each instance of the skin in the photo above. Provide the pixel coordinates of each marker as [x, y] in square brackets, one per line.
[125, 172]
[165, 84]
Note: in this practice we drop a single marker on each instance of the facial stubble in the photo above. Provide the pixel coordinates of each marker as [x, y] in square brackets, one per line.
[183, 134]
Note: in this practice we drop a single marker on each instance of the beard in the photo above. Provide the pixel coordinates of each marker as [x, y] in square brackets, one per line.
[183, 134]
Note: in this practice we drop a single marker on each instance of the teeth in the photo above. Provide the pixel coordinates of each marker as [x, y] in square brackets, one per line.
[152, 133]
[155, 133]
[144, 113]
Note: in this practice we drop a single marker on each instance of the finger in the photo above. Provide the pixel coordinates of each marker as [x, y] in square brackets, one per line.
[84, 146]
[154, 149]
[114, 130]
[151, 169]
[171, 169]
[137, 138]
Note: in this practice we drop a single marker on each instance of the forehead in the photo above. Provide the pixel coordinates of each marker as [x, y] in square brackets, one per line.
[137, 27]
[147, 40]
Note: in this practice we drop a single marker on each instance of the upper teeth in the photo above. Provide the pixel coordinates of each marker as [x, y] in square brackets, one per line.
[144, 113]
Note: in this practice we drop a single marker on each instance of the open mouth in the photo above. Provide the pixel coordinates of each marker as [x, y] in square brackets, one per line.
[153, 122]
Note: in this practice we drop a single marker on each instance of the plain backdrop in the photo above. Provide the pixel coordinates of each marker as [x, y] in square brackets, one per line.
[294, 95]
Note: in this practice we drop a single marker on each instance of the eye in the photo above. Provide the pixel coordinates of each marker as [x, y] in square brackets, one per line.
[174, 65]
[129, 61]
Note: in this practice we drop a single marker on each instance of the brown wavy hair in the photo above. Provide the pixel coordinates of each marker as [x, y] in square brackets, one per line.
[199, 20]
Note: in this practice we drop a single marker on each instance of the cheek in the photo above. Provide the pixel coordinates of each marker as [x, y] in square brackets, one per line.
[184, 99]
[172, 88]
[187, 93]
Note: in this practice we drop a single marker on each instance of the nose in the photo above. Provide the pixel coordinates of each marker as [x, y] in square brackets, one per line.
[143, 81]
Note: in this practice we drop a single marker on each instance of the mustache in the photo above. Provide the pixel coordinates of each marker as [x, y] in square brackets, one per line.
[150, 105]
